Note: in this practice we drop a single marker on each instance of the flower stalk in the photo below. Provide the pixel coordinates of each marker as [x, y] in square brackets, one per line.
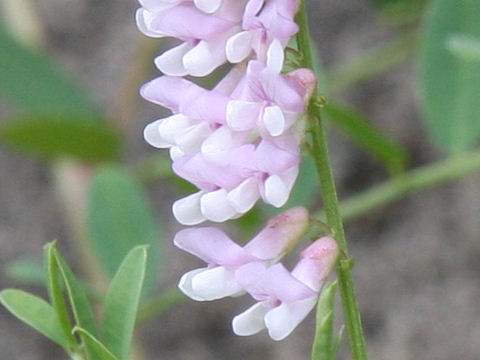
[330, 199]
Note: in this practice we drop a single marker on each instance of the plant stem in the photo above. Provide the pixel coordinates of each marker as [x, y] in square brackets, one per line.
[409, 182]
[330, 200]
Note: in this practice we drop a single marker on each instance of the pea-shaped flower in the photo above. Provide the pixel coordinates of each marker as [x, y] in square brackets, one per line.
[225, 258]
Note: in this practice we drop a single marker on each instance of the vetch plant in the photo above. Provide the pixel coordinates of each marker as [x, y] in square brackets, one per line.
[249, 102]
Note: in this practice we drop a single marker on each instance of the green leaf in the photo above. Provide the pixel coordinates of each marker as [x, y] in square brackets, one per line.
[27, 271]
[322, 344]
[382, 147]
[122, 302]
[80, 306]
[58, 135]
[119, 218]
[56, 295]
[450, 80]
[101, 352]
[35, 84]
[35, 312]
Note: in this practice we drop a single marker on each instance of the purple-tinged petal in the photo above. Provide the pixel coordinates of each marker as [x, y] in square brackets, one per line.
[278, 283]
[251, 320]
[283, 319]
[316, 262]
[186, 22]
[211, 245]
[166, 91]
[187, 210]
[271, 159]
[281, 234]
[242, 115]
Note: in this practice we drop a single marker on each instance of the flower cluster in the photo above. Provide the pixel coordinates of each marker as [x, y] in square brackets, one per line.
[237, 143]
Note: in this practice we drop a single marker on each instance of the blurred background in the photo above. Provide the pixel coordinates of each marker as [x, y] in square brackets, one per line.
[74, 168]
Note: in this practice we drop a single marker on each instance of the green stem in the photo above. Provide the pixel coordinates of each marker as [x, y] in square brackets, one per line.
[409, 182]
[330, 200]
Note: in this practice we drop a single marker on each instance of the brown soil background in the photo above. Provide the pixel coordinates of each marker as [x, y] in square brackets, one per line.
[417, 261]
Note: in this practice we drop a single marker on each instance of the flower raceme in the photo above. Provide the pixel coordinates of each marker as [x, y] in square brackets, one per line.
[284, 298]
[237, 143]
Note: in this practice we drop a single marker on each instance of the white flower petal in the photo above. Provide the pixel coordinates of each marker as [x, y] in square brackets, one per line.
[215, 283]
[274, 120]
[170, 62]
[216, 207]
[276, 191]
[153, 137]
[244, 196]
[208, 6]
[242, 115]
[190, 140]
[176, 153]
[170, 126]
[238, 46]
[202, 59]
[185, 284]
[144, 18]
[187, 210]
[283, 319]
[275, 56]
[251, 321]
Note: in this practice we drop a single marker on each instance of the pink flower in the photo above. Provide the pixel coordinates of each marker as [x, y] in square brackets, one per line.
[235, 145]
[225, 258]
[203, 25]
[265, 22]
[284, 298]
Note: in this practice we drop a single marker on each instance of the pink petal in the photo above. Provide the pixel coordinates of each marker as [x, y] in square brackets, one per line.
[211, 245]
[281, 234]
[278, 283]
[317, 262]
[185, 22]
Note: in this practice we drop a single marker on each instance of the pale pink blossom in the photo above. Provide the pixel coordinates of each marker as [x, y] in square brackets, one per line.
[203, 26]
[225, 258]
[284, 298]
[265, 22]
